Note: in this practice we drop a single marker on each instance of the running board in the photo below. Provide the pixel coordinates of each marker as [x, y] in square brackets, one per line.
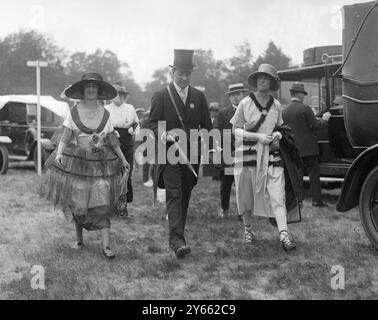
[325, 179]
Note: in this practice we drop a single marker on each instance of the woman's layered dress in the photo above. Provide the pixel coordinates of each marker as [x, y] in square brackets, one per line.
[90, 181]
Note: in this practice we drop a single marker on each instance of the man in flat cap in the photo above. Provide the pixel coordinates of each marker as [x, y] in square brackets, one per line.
[303, 124]
[178, 106]
[235, 93]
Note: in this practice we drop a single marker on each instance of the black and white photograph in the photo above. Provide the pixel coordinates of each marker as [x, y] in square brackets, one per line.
[188, 155]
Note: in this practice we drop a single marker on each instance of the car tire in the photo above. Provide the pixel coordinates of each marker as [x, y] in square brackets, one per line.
[369, 206]
[4, 159]
[44, 157]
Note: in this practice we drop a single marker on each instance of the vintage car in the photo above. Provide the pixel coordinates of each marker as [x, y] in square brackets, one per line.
[349, 147]
[18, 127]
[359, 74]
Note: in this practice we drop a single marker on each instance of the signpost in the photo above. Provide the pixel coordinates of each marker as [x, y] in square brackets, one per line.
[38, 65]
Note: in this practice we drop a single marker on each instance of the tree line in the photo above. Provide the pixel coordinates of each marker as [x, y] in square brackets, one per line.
[65, 68]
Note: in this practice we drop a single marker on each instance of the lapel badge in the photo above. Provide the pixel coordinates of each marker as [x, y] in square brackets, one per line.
[192, 106]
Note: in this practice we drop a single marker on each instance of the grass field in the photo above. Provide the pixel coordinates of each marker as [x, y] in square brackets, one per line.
[221, 266]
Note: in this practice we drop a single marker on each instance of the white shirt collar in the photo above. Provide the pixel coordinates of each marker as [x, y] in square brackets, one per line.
[235, 107]
[295, 99]
[179, 89]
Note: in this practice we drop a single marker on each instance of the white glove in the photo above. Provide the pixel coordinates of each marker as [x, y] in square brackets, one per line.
[326, 116]
[131, 131]
[276, 135]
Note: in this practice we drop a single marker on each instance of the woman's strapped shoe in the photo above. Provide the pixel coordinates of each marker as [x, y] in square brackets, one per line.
[248, 235]
[108, 253]
[182, 251]
[286, 243]
[77, 245]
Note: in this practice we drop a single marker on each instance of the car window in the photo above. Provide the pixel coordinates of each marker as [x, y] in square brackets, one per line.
[32, 113]
[17, 112]
[4, 114]
[47, 116]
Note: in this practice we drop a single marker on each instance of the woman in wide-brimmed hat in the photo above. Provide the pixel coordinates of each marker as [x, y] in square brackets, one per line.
[259, 175]
[87, 172]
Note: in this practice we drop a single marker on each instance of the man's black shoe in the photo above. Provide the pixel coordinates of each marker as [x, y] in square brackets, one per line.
[182, 251]
[319, 204]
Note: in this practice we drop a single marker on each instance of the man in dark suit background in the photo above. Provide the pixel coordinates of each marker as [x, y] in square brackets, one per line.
[236, 93]
[303, 123]
[178, 179]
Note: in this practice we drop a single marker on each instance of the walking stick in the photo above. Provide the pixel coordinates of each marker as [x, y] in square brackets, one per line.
[183, 155]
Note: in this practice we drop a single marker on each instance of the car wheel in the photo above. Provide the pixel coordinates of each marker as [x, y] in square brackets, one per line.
[44, 156]
[369, 206]
[3, 159]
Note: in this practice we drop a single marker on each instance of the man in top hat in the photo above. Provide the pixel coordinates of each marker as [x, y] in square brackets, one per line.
[303, 124]
[176, 106]
[125, 121]
[235, 93]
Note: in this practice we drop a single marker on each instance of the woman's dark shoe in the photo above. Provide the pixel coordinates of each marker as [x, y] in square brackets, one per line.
[108, 253]
[182, 251]
[286, 243]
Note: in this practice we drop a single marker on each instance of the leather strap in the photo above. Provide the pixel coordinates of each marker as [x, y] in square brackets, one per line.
[176, 109]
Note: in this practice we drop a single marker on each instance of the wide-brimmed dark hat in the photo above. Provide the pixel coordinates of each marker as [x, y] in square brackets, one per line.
[269, 70]
[235, 87]
[105, 92]
[120, 87]
[298, 87]
[183, 60]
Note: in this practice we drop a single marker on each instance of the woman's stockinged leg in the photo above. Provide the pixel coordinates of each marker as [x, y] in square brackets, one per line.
[281, 218]
[106, 244]
[276, 191]
[105, 238]
[79, 232]
[247, 218]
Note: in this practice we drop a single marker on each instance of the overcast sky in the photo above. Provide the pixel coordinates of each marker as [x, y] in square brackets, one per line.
[144, 33]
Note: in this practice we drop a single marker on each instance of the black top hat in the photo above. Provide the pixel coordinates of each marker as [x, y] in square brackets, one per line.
[235, 87]
[105, 92]
[183, 60]
[298, 87]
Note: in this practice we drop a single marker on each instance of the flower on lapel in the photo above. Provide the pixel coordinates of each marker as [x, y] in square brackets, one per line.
[191, 106]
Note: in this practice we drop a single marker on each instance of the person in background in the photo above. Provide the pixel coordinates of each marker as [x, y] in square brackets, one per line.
[303, 123]
[211, 170]
[125, 121]
[146, 167]
[86, 173]
[236, 93]
[213, 109]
